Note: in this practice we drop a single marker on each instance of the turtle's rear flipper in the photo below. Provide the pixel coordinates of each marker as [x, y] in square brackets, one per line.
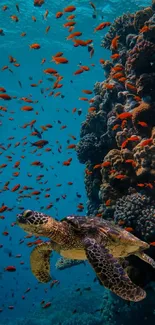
[111, 273]
[146, 258]
[40, 261]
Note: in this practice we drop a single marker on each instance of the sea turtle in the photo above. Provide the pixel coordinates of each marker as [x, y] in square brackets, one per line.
[99, 241]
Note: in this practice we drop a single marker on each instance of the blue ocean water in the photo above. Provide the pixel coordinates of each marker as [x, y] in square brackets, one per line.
[56, 111]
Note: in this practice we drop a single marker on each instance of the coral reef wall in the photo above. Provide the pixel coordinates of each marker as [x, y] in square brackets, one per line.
[117, 142]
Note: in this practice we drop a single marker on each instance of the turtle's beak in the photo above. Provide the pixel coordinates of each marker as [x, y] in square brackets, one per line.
[20, 218]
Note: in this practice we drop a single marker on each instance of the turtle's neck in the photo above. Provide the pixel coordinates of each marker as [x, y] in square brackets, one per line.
[58, 231]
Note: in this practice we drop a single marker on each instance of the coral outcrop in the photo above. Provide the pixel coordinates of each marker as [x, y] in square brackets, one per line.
[117, 142]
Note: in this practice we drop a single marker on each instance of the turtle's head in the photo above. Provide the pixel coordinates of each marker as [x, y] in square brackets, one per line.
[34, 222]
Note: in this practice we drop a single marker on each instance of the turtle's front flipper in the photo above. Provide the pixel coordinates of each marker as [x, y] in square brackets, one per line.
[40, 261]
[146, 258]
[111, 273]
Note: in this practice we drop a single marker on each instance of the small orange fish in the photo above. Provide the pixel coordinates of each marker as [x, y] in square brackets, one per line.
[85, 67]
[143, 124]
[108, 203]
[97, 166]
[149, 185]
[152, 243]
[115, 56]
[91, 109]
[87, 92]
[131, 87]
[3, 208]
[15, 188]
[80, 206]
[106, 164]
[57, 55]
[130, 161]
[146, 142]
[140, 184]
[83, 98]
[102, 26]
[129, 229]
[35, 193]
[123, 79]
[144, 29]
[121, 222]
[115, 127]
[70, 17]
[69, 23]
[73, 35]
[59, 14]
[102, 61]
[78, 71]
[71, 146]
[133, 138]
[66, 163]
[16, 174]
[59, 60]
[120, 176]
[70, 9]
[15, 18]
[118, 75]
[23, 34]
[88, 172]
[50, 71]
[114, 43]
[124, 115]
[109, 86]
[35, 46]
[27, 108]
[5, 96]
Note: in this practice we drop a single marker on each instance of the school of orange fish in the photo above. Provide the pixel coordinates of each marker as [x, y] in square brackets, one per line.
[40, 144]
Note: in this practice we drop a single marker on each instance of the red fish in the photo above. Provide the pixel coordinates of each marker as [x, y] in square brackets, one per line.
[124, 115]
[15, 188]
[5, 96]
[48, 304]
[10, 268]
[146, 142]
[102, 26]
[143, 124]
[70, 9]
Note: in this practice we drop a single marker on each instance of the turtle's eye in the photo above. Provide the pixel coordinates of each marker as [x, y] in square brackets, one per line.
[27, 213]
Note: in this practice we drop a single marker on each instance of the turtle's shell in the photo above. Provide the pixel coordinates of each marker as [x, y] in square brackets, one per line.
[88, 225]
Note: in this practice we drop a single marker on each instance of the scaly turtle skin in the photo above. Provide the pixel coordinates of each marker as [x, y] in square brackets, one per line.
[100, 242]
